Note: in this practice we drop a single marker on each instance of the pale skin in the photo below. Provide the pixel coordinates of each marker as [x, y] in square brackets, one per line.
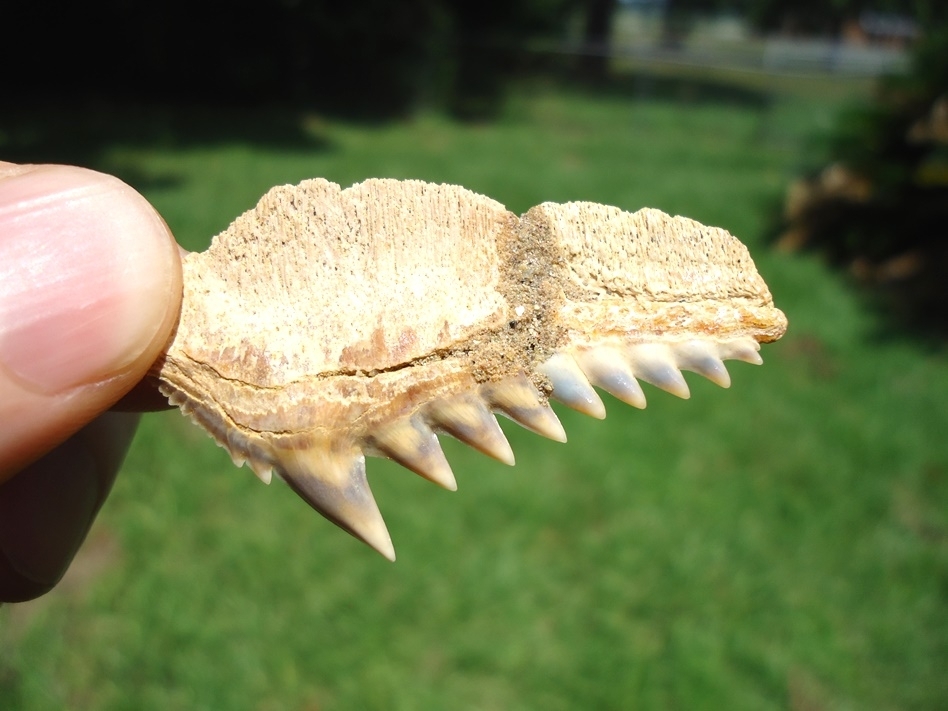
[90, 288]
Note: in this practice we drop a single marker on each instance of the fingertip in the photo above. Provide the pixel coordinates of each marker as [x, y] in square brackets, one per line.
[90, 288]
[89, 278]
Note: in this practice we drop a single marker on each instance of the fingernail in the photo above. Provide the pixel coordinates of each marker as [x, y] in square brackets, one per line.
[86, 265]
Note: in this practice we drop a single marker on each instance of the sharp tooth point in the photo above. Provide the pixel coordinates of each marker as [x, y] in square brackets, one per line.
[263, 471]
[519, 400]
[655, 364]
[415, 446]
[571, 387]
[468, 419]
[332, 481]
[609, 370]
[701, 358]
[743, 349]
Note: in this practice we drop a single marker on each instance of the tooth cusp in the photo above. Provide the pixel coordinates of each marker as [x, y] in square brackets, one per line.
[743, 349]
[571, 386]
[702, 358]
[415, 446]
[519, 400]
[469, 420]
[655, 363]
[332, 480]
[263, 470]
[609, 369]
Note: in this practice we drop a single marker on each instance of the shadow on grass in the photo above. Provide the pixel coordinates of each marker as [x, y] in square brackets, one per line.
[90, 136]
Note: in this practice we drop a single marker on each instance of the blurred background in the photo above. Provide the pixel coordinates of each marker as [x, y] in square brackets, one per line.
[782, 545]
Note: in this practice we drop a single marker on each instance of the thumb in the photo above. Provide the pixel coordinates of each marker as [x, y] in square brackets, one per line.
[90, 286]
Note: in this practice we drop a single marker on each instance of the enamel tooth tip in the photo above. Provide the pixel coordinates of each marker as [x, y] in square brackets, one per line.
[655, 363]
[469, 420]
[608, 369]
[519, 400]
[415, 446]
[264, 472]
[334, 483]
[743, 349]
[571, 387]
[701, 358]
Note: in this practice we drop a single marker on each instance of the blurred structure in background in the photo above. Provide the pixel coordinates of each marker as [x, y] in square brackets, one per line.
[378, 58]
[879, 208]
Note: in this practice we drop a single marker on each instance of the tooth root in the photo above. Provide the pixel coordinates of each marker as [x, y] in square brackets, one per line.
[608, 369]
[655, 364]
[743, 349]
[701, 358]
[518, 399]
[333, 482]
[415, 446]
[571, 387]
[468, 419]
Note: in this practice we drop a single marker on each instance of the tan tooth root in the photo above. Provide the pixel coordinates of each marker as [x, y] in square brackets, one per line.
[325, 325]
[469, 420]
[655, 364]
[743, 349]
[701, 358]
[415, 446]
[570, 385]
[519, 400]
[334, 483]
[608, 369]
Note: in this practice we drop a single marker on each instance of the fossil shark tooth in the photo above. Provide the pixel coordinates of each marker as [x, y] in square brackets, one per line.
[333, 482]
[571, 385]
[655, 363]
[414, 445]
[608, 369]
[702, 358]
[326, 325]
[467, 418]
[519, 400]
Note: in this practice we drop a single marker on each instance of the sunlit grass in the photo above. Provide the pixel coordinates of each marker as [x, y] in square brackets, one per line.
[783, 544]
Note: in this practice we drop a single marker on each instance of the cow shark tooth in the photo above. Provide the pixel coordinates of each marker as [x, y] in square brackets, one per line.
[326, 325]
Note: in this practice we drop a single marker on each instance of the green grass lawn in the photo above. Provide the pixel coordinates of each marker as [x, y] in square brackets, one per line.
[781, 545]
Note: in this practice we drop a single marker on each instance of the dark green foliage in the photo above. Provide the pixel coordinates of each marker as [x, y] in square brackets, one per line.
[372, 58]
[881, 207]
